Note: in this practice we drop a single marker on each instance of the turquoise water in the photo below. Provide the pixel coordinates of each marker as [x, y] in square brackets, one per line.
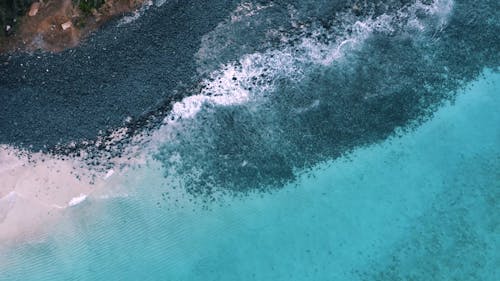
[423, 206]
[282, 140]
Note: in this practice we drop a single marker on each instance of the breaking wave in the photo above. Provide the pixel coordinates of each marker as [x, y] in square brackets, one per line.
[300, 87]
[261, 119]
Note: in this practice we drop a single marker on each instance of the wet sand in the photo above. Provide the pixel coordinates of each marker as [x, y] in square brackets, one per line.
[35, 191]
[48, 99]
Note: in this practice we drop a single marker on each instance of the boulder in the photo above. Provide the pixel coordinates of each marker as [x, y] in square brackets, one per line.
[66, 25]
[34, 9]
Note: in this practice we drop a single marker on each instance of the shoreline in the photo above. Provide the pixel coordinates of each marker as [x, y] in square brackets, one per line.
[34, 192]
[50, 94]
[78, 225]
[39, 190]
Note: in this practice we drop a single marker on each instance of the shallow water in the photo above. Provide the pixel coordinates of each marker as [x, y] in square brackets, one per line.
[423, 206]
[324, 144]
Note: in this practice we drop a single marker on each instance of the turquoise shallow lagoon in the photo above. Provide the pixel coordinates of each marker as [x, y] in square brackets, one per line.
[423, 206]
[258, 140]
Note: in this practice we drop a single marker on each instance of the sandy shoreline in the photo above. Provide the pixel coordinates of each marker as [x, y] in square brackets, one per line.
[35, 191]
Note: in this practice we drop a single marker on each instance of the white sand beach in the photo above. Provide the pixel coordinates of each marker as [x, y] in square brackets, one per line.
[36, 190]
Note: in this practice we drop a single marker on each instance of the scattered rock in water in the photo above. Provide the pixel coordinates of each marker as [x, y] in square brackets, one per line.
[356, 9]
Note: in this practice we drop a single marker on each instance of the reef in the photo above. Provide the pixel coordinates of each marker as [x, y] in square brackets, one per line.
[320, 83]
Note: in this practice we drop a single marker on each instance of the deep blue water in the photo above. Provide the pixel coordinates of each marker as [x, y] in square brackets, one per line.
[303, 140]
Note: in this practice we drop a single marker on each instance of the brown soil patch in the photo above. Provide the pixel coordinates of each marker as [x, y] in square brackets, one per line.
[44, 31]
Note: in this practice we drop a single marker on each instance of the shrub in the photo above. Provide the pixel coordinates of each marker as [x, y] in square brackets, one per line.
[86, 6]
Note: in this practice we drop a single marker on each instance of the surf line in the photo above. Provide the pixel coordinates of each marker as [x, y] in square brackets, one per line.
[11, 198]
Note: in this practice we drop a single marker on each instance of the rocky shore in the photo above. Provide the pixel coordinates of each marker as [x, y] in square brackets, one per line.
[55, 25]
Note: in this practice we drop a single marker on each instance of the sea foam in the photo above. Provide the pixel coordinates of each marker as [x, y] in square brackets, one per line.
[254, 74]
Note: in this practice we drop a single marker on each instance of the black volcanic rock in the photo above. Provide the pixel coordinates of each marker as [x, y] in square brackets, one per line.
[119, 72]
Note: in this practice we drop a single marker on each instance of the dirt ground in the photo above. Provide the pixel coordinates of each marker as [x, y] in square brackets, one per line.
[60, 24]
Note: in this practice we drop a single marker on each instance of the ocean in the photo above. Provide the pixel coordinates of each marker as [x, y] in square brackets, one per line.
[270, 140]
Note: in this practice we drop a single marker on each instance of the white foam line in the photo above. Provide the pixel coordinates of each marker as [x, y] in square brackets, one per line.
[136, 14]
[77, 200]
[11, 200]
[159, 3]
[109, 174]
[12, 196]
[247, 9]
[222, 90]
[230, 85]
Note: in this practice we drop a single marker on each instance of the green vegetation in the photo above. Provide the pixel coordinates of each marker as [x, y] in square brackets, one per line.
[80, 22]
[86, 6]
[10, 10]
